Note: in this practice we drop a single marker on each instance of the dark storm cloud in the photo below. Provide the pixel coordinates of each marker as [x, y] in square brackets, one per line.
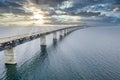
[79, 4]
[12, 6]
[7, 3]
[48, 2]
[78, 8]
[87, 14]
[103, 19]
[89, 8]
[16, 6]
[117, 1]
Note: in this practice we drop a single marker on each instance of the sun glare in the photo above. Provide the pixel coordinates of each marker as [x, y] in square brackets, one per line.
[38, 18]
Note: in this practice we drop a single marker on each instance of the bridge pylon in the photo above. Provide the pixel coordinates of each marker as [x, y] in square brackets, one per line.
[10, 57]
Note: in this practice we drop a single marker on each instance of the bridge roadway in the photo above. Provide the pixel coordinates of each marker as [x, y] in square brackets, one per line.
[12, 41]
[12, 33]
[9, 43]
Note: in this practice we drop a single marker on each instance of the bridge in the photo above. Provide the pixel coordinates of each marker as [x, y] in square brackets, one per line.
[8, 44]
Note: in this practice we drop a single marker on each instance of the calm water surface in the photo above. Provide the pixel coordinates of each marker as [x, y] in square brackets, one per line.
[86, 54]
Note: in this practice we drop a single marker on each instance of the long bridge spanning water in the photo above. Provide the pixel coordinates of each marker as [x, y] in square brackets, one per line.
[9, 43]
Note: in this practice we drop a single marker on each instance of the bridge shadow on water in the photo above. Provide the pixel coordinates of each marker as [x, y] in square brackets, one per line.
[13, 72]
[41, 66]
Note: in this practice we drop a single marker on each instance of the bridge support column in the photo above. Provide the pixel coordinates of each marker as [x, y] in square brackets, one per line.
[43, 43]
[65, 32]
[73, 29]
[10, 57]
[61, 34]
[54, 37]
[68, 31]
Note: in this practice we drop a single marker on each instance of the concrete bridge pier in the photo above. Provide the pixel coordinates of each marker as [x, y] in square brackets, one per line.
[71, 30]
[61, 34]
[10, 57]
[68, 31]
[43, 43]
[54, 37]
[65, 32]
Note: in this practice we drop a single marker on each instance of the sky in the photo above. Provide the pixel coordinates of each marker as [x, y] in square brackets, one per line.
[58, 12]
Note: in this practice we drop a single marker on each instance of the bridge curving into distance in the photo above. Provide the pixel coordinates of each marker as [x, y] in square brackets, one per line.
[8, 44]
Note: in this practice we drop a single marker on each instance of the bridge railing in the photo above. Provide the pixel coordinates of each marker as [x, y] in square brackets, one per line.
[9, 44]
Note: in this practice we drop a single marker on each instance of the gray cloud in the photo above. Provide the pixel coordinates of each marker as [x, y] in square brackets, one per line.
[78, 8]
[12, 6]
[117, 1]
[86, 14]
[52, 3]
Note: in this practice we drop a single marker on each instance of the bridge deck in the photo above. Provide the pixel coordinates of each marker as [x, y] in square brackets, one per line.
[28, 34]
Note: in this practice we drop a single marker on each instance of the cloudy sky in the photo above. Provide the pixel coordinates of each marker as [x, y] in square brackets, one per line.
[58, 12]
